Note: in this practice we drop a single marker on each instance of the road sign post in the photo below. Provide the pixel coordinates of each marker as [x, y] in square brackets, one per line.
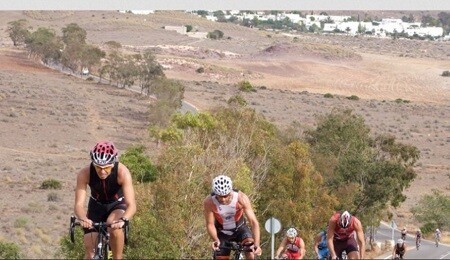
[393, 226]
[273, 226]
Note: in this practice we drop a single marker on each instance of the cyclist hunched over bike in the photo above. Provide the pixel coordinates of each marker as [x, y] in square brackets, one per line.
[418, 238]
[399, 249]
[112, 198]
[437, 236]
[292, 246]
[404, 232]
[341, 236]
[320, 245]
[224, 211]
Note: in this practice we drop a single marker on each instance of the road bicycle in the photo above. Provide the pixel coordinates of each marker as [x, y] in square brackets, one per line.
[102, 250]
[417, 243]
[436, 240]
[238, 249]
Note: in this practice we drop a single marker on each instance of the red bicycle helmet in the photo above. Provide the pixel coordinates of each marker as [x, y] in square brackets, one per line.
[104, 153]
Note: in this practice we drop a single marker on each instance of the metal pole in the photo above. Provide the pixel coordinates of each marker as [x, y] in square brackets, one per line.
[273, 238]
[392, 227]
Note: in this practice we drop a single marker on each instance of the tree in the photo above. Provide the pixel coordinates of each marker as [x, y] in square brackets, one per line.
[433, 208]
[74, 34]
[362, 171]
[149, 71]
[44, 44]
[76, 50]
[18, 32]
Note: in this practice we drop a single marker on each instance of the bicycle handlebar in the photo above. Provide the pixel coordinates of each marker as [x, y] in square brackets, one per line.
[237, 246]
[97, 226]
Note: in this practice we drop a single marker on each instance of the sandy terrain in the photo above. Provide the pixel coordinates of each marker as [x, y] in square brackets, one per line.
[49, 120]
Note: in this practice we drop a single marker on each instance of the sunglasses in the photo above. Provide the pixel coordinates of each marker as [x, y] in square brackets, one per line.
[106, 168]
[223, 197]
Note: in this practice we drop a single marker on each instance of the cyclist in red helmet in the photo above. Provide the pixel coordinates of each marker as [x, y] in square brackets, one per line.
[342, 228]
[112, 198]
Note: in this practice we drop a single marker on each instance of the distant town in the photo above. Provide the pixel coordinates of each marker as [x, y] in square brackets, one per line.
[324, 23]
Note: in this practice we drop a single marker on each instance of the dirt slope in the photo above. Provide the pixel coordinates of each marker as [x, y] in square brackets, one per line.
[49, 120]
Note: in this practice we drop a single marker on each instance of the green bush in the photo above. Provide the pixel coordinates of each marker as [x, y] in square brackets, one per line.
[9, 250]
[446, 73]
[216, 34]
[51, 184]
[69, 250]
[188, 28]
[399, 100]
[245, 86]
[239, 100]
[428, 228]
[328, 95]
[140, 166]
[353, 97]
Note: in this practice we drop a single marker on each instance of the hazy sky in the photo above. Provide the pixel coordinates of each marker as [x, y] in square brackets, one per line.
[225, 5]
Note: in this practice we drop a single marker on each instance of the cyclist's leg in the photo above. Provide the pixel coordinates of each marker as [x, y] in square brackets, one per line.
[223, 253]
[116, 235]
[244, 235]
[351, 248]
[97, 213]
[90, 242]
[339, 247]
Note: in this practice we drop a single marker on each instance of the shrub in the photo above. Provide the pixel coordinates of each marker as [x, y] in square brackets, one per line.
[140, 166]
[446, 73]
[51, 184]
[52, 196]
[353, 97]
[189, 28]
[328, 95]
[21, 222]
[399, 100]
[238, 100]
[216, 34]
[200, 70]
[9, 250]
[428, 228]
[245, 86]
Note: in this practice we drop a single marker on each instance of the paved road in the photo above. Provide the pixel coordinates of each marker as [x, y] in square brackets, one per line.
[427, 250]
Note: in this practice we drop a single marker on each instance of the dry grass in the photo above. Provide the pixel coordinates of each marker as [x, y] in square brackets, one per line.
[49, 120]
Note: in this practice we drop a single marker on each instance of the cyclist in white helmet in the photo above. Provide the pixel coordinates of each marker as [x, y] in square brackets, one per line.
[341, 236]
[292, 246]
[399, 249]
[224, 211]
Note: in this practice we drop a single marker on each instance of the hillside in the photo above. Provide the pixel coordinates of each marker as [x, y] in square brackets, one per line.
[50, 120]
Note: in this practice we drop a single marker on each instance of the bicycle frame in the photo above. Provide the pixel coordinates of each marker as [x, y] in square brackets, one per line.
[102, 249]
[238, 249]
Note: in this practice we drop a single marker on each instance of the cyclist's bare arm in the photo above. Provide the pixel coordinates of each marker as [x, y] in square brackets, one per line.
[330, 234]
[80, 197]
[302, 248]
[124, 179]
[317, 240]
[209, 220]
[251, 217]
[281, 248]
[360, 238]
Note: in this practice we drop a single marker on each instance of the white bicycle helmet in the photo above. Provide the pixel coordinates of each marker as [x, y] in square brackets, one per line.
[222, 185]
[400, 241]
[344, 219]
[292, 232]
[437, 230]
